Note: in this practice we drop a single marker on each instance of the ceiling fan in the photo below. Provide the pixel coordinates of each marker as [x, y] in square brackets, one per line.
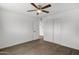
[39, 9]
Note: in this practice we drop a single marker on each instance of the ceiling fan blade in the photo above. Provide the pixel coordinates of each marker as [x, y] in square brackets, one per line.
[46, 6]
[45, 11]
[34, 5]
[31, 10]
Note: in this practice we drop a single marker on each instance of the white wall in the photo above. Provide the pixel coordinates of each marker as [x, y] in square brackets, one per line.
[15, 27]
[63, 27]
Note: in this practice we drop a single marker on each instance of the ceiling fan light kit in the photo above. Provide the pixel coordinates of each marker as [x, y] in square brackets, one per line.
[39, 11]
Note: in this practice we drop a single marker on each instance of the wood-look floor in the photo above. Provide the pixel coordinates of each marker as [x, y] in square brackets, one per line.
[38, 47]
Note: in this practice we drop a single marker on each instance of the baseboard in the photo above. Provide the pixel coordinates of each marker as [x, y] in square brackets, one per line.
[61, 45]
[17, 44]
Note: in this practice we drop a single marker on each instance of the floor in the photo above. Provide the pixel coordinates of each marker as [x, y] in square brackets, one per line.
[38, 47]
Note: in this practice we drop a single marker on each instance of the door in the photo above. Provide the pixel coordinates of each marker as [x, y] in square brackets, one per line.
[35, 29]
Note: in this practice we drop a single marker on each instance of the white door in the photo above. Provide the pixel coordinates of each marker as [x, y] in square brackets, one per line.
[35, 29]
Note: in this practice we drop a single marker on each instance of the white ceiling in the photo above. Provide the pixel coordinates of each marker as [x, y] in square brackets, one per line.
[21, 8]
